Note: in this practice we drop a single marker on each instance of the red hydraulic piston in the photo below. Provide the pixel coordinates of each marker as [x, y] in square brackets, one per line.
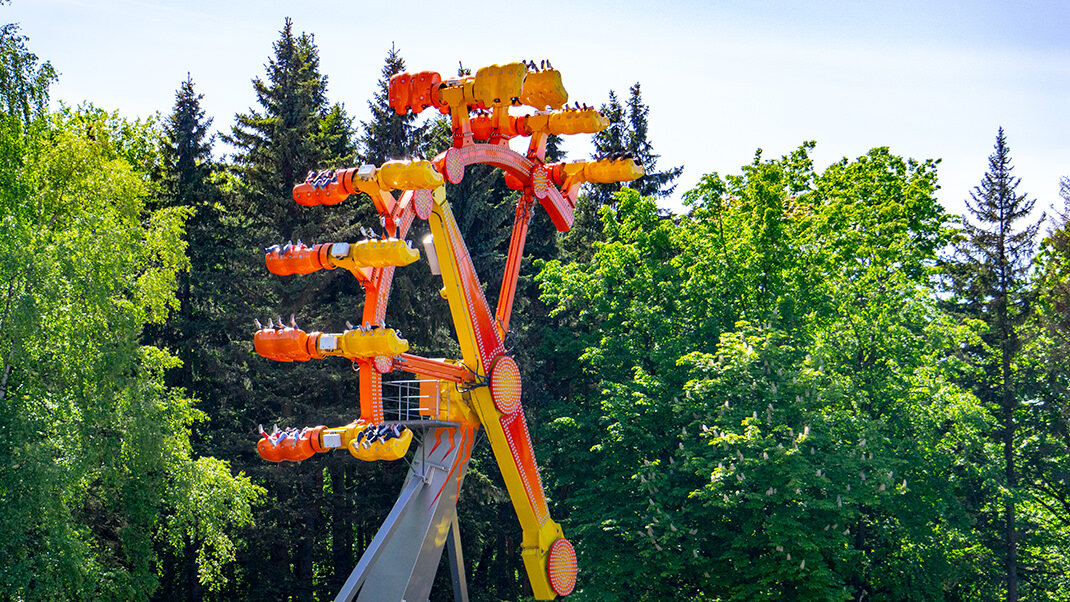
[298, 259]
[286, 344]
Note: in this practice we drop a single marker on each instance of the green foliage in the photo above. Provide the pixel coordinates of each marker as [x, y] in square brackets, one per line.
[388, 135]
[768, 397]
[23, 81]
[770, 382]
[626, 134]
[98, 459]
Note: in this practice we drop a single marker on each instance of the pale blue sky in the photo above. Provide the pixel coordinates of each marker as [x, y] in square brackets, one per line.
[927, 78]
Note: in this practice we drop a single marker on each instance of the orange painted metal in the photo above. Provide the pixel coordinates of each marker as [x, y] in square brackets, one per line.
[325, 188]
[289, 446]
[298, 259]
[413, 91]
[286, 344]
[432, 368]
[512, 264]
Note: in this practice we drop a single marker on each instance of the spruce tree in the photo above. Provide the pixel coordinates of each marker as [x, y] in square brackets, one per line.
[991, 281]
[185, 174]
[627, 133]
[658, 184]
[292, 131]
[388, 135]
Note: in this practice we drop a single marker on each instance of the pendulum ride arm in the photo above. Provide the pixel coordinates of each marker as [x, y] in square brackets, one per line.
[498, 405]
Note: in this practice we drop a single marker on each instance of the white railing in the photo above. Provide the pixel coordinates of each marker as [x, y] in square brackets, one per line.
[414, 400]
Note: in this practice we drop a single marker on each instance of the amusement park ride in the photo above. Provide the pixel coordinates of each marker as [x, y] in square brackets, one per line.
[448, 400]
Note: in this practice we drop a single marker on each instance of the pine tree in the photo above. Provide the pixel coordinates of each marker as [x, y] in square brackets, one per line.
[991, 280]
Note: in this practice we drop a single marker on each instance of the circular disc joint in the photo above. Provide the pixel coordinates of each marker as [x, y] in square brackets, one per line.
[562, 567]
[505, 387]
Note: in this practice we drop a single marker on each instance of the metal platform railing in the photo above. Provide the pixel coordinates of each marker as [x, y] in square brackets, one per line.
[414, 400]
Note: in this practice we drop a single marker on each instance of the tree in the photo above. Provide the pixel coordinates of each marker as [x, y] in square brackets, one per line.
[1045, 439]
[185, 174]
[757, 379]
[626, 134]
[25, 83]
[293, 130]
[388, 135]
[991, 282]
[99, 481]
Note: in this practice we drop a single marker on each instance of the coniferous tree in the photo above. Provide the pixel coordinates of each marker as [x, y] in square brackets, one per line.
[658, 184]
[293, 130]
[388, 135]
[626, 134]
[991, 282]
[185, 175]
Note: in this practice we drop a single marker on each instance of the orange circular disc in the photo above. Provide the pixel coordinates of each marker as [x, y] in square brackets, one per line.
[562, 567]
[383, 364]
[505, 385]
[422, 201]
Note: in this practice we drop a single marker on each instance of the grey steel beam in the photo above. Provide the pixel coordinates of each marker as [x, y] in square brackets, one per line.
[401, 561]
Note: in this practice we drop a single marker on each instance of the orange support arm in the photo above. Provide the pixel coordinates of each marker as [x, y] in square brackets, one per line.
[512, 264]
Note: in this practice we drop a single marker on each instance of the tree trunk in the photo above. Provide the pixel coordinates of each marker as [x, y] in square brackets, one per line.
[313, 496]
[1011, 533]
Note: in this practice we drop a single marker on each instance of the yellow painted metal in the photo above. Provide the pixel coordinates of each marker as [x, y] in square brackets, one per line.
[409, 175]
[392, 449]
[345, 433]
[383, 253]
[376, 253]
[537, 536]
[458, 92]
[544, 89]
[603, 171]
[499, 84]
[607, 171]
[359, 343]
[399, 175]
[570, 121]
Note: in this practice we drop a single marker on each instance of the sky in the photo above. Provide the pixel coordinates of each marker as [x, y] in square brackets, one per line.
[929, 79]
